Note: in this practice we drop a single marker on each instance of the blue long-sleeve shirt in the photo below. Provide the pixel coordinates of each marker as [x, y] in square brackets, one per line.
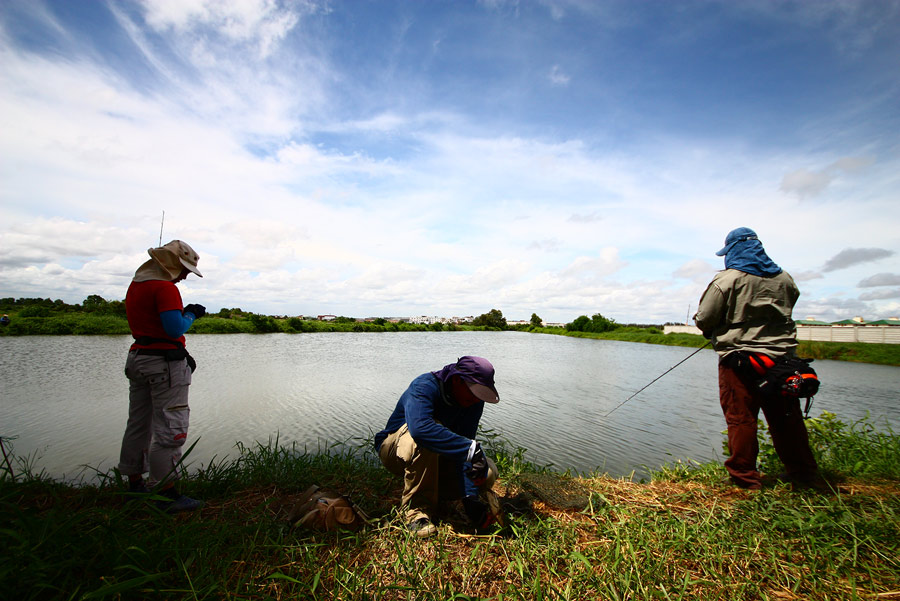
[176, 323]
[435, 421]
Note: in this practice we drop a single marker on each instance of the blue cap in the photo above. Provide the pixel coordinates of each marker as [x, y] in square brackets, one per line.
[734, 236]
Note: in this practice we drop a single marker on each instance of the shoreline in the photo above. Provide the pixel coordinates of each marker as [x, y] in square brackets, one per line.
[80, 324]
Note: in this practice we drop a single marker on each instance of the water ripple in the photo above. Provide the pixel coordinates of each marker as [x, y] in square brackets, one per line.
[66, 398]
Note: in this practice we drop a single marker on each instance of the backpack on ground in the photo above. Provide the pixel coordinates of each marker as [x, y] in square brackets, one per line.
[322, 510]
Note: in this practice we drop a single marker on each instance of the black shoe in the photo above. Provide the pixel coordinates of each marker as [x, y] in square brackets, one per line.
[813, 482]
[177, 502]
[139, 487]
[136, 490]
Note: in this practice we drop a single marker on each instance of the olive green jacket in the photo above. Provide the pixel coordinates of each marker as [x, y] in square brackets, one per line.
[740, 311]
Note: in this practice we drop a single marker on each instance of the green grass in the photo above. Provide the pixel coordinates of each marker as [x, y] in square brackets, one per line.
[94, 324]
[66, 324]
[859, 352]
[683, 535]
[860, 448]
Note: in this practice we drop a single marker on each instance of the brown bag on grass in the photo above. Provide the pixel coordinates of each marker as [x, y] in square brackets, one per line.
[321, 510]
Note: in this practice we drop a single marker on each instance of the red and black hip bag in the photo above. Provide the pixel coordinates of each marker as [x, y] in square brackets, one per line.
[788, 377]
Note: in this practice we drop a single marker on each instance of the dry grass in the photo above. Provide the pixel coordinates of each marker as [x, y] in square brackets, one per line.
[553, 553]
[680, 536]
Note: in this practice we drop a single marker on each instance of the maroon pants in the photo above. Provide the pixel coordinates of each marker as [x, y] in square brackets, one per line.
[741, 408]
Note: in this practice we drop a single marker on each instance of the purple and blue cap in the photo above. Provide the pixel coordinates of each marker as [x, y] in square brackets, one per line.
[477, 373]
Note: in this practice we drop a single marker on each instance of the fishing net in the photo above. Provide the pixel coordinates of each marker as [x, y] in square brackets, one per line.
[556, 491]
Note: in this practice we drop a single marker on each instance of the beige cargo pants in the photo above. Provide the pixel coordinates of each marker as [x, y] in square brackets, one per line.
[423, 486]
[158, 416]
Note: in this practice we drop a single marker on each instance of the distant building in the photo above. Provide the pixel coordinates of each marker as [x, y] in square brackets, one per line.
[424, 319]
[327, 317]
[890, 321]
[811, 321]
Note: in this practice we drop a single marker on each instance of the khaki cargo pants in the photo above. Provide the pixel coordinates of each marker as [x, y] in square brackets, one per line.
[421, 470]
[158, 416]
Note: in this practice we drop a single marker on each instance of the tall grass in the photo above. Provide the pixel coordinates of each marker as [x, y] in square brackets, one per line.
[681, 536]
[859, 449]
[860, 352]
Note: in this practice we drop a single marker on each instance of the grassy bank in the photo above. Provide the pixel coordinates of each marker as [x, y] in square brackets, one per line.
[683, 535]
[69, 323]
[245, 323]
[859, 352]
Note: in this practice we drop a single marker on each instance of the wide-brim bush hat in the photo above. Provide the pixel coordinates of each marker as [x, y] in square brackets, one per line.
[176, 256]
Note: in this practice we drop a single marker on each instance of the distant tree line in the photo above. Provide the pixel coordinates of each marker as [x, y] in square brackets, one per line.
[96, 306]
[44, 307]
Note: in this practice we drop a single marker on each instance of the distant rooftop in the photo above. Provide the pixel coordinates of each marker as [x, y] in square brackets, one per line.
[856, 321]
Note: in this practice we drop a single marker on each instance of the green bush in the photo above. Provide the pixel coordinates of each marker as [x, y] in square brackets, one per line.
[295, 324]
[67, 324]
[34, 311]
[596, 324]
[264, 324]
[221, 325]
[101, 324]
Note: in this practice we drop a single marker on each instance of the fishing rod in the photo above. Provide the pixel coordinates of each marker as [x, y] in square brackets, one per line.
[162, 221]
[658, 377]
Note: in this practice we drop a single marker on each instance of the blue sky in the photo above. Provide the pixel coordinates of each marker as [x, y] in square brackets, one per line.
[448, 158]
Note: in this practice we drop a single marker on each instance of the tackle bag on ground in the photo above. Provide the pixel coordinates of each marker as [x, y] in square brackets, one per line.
[322, 510]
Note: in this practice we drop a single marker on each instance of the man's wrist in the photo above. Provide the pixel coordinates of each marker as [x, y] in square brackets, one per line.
[472, 448]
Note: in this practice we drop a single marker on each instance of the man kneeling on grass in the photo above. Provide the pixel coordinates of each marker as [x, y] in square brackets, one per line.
[429, 441]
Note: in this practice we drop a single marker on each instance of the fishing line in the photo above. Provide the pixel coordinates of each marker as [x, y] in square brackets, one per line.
[658, 377]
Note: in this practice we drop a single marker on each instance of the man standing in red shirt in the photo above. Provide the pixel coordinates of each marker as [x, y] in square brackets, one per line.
[159, 372]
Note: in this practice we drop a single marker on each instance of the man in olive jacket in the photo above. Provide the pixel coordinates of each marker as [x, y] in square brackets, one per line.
[748, 307]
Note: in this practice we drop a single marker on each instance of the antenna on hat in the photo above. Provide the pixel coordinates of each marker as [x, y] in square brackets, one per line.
[161, 227]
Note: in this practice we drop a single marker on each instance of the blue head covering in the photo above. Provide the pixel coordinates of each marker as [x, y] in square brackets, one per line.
[743, 251]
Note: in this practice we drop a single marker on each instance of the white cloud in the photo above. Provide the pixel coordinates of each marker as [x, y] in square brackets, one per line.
[558, 77]
[308, 188]
[806, 276]
[855, 256]
[805, 183]
[607, 263]
[884, 293]
[880, 279]
[264, 23]
[696, 269]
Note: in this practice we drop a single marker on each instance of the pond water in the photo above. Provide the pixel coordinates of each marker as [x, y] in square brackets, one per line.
[65, 398]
